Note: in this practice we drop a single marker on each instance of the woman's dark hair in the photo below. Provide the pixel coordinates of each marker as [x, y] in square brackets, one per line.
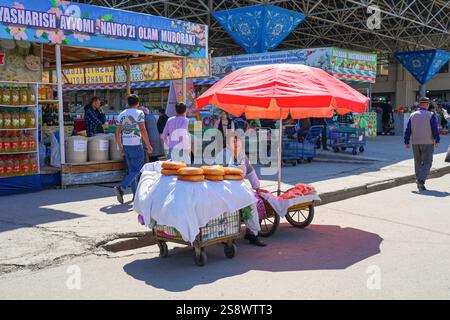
[133, 100]
[95, 99]
[180, 108]
[162, 111]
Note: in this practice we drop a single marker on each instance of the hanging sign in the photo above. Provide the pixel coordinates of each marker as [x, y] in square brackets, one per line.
[82, 25]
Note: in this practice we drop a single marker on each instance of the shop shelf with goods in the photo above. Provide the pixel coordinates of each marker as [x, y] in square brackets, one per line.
[18, 129]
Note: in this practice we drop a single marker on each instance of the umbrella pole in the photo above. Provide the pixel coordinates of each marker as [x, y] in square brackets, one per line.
[279, 154]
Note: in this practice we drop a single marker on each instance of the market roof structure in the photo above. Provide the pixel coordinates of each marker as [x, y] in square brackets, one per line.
[406, 25]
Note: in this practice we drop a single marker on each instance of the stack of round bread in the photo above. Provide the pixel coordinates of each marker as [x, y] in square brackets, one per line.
[213, 173]
[169, 168]
[190, 174]
[233, 174]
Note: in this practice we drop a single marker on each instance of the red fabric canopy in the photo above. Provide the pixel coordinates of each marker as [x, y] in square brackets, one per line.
[274, 91]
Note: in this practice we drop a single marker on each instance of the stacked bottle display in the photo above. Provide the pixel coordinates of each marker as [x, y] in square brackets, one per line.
[17, 95]
[18, 165]
[18, 133]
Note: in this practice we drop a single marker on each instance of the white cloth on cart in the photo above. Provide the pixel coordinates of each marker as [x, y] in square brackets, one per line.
[281, 206]
[188, 206]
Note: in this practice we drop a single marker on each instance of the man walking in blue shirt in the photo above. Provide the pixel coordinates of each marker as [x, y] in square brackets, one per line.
[424, 131]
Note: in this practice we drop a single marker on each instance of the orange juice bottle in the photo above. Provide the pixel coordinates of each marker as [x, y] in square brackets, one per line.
[6, 100]
[15, 119]
[30, 119]
[33, 164]
[7, 142]
[16, 166]
[9, 167]
[2, 138]
[23, 93]
[23, 142]
[7, 121]
[2, 168]
[31, 96]
[22, 119]
[15, 96]
[31, 142]
[24, 166]
[14, 142]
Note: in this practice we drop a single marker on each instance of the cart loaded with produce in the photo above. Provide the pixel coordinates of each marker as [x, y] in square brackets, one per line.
[295, 204]
[194, 206]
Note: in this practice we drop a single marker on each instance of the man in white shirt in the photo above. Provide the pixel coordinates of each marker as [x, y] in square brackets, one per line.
[129, 132]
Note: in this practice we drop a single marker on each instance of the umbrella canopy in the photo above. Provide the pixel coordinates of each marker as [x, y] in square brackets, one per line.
[273, 91]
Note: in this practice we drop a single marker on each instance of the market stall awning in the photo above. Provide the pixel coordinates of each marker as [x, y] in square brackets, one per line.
[136, 85]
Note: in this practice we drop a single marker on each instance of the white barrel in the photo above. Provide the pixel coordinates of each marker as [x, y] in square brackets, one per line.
[76, 149]
[98, 148]
[114, 153]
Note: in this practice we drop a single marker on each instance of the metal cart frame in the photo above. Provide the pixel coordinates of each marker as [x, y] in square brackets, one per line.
[208, 235]
[342, 138]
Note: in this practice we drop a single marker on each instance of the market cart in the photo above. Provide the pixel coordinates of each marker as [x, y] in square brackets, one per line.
[224, 229]
[299, 215]
[342, 138]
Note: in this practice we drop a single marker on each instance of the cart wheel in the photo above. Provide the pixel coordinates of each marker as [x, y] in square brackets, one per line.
[310, 159]
[354, 152]
[301, 218]
[230, 250]
[361, 149]
[163, 249]
[269, 225]
[200, 259]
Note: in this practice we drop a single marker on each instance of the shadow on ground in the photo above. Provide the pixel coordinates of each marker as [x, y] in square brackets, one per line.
[432, 193]
[118, 208]
[320, 247]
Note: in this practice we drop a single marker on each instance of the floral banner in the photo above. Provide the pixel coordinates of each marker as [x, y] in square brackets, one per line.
[81, 25]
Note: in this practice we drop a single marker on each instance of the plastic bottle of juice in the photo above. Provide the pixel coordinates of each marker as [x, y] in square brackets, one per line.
[16, 166]
[31, 96]
[31, 142]
[25, 166]
[30, 119]
[6, 101]
[1, 119]
[7, 142]
[14, 142]
[23, 96]
[33, 164]
[2, 148]
[2, 168]
[7, 121]
[9, 167]
[23, 142]
[22, 119]
[15, 119]
[15, 95]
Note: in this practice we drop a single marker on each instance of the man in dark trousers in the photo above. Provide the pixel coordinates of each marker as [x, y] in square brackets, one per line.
[424, 130]
[162, 120]
[321, 122]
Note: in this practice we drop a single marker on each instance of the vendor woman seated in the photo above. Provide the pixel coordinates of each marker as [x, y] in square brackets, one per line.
[234, 156]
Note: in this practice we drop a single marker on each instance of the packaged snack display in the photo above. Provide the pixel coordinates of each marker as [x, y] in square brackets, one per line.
[15, 119]
[22, 119]
[7, 121]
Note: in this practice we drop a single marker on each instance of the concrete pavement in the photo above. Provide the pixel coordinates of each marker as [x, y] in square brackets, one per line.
[44, 229]
[392, 244]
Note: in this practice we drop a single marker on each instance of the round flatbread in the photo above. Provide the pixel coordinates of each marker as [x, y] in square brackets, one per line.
[190, 171]
[236, 171]
[213, 171]
[173, 165]
[197, 178]
[214, 178]
[167, 172]
[233, 177]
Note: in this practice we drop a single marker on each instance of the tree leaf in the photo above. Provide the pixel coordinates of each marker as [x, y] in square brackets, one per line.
[54, 3]
[108, 17]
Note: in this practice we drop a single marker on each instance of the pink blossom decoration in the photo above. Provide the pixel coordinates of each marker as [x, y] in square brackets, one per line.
[62, 3]
[19, 33]
[57, 37]
[56, 11]
[81, 37]
[18, 5]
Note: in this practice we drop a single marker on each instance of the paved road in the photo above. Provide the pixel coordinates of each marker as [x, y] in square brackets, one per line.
[391, 244]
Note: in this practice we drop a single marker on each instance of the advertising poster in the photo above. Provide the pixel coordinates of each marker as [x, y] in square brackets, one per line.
[353, 66]
[367, 121]
[81, 25]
